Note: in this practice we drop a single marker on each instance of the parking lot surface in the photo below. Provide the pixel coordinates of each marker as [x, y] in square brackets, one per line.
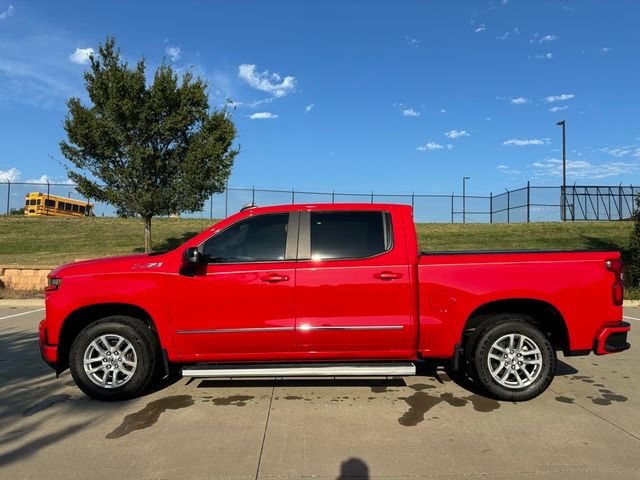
[585, 426]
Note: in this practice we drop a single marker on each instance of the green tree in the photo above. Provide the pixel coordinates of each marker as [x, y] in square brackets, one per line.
[633, 268]
[148, 150]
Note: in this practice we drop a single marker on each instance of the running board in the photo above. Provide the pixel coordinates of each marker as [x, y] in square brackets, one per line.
[397, 369]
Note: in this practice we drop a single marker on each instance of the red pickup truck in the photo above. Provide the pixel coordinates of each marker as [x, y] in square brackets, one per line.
[336, 290]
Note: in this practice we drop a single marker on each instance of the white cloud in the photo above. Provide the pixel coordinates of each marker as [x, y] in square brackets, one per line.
[504, 36]
[632, 150]
[558, 109]
[520, 142]
[581, 169]
[605, 49]
[449, 146]
[453, 134]
[271, 83]
[308, 108]
[410, 112]
[11, 175]
[81, 55]
[173, 52]
[481, 28]
[412, 42]
[7, 13]
[14, 175]
[507, 170]
[519, 101]
[262, 116]
[430, 146]
[442, 110]
[559, 98]
[542, 56]
[547, 38]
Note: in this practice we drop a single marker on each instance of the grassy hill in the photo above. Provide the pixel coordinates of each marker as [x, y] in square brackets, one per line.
[52, 241]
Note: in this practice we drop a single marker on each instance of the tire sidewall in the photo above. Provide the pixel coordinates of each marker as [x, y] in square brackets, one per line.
[140, 339]
[483, 376]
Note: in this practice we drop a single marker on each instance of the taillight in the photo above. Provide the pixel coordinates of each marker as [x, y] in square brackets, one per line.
[53, 284]
[617, 290]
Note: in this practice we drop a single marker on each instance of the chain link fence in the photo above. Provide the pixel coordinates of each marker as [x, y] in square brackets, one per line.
[526, 204]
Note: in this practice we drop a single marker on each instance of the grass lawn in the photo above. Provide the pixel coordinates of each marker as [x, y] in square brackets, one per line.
[49, 242]
[52, 241]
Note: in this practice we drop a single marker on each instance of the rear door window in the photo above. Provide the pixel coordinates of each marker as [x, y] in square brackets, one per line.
[343, 235]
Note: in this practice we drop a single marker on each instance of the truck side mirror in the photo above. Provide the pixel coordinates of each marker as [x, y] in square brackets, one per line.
[193, 257]
[192, 262]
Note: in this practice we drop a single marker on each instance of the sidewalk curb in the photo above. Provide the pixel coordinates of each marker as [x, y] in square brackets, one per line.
[631, 303]
[22, 302]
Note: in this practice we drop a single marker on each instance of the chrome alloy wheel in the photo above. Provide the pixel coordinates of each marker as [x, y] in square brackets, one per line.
[515, 361]
[110, 361]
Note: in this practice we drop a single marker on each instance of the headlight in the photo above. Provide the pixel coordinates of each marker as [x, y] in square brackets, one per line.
[53, 284]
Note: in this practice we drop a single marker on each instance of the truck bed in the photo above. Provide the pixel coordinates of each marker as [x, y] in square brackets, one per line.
[453, 285]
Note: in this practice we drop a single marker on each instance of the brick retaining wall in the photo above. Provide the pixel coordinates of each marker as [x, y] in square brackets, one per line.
[24, 278]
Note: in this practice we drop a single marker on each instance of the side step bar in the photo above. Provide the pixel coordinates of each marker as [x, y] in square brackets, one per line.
[398, 369]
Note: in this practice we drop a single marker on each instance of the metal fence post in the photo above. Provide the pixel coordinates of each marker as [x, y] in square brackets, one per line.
[528, 202]
[8, 195]
[508, 206]
[226, 199]
[490, 207]
[253, 194]
[46, 209]
[333, 196]
[413, 197]
[452, 208]
[371, 196]
[620, 201]
[211, 207]
[293, 196]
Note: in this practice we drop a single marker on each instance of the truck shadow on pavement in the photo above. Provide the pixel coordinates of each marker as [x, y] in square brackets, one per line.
[28, 387]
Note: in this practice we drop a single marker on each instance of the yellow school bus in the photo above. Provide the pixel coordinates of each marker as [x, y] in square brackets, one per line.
[40, 204]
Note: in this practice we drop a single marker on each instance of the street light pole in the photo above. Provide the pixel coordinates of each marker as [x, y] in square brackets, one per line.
[464, 199]
[564, 169]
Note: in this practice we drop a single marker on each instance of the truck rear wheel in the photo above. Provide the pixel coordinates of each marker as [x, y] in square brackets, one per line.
[114, 358]
[512, 359]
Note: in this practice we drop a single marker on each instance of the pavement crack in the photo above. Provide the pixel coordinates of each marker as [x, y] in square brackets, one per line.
[601, 418]
[266, 426]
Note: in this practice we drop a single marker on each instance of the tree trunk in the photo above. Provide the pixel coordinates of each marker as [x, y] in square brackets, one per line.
[147, 234]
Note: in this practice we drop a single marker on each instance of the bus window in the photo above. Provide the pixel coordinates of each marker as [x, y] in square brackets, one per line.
[32, 202]
[49, 203]
[38, 202]
[75, 207]
[82, 209]
[67, 206]
[60, 205]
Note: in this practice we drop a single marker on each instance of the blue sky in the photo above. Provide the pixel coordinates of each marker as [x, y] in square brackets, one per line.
[355, 96]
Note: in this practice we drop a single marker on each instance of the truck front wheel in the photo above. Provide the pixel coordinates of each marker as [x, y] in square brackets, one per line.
[114, 358]
[512, 359]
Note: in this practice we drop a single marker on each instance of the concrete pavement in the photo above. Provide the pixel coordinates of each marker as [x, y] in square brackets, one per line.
[585, 426]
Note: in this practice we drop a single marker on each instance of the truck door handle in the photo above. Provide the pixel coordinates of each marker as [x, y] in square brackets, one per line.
[386, 275]
[274, 278]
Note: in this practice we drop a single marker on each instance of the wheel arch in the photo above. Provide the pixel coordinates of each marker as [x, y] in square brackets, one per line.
[545, 316]
[80, 318]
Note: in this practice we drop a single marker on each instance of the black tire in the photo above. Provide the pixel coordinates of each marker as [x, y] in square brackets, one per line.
[480, 366]
[146, 354]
